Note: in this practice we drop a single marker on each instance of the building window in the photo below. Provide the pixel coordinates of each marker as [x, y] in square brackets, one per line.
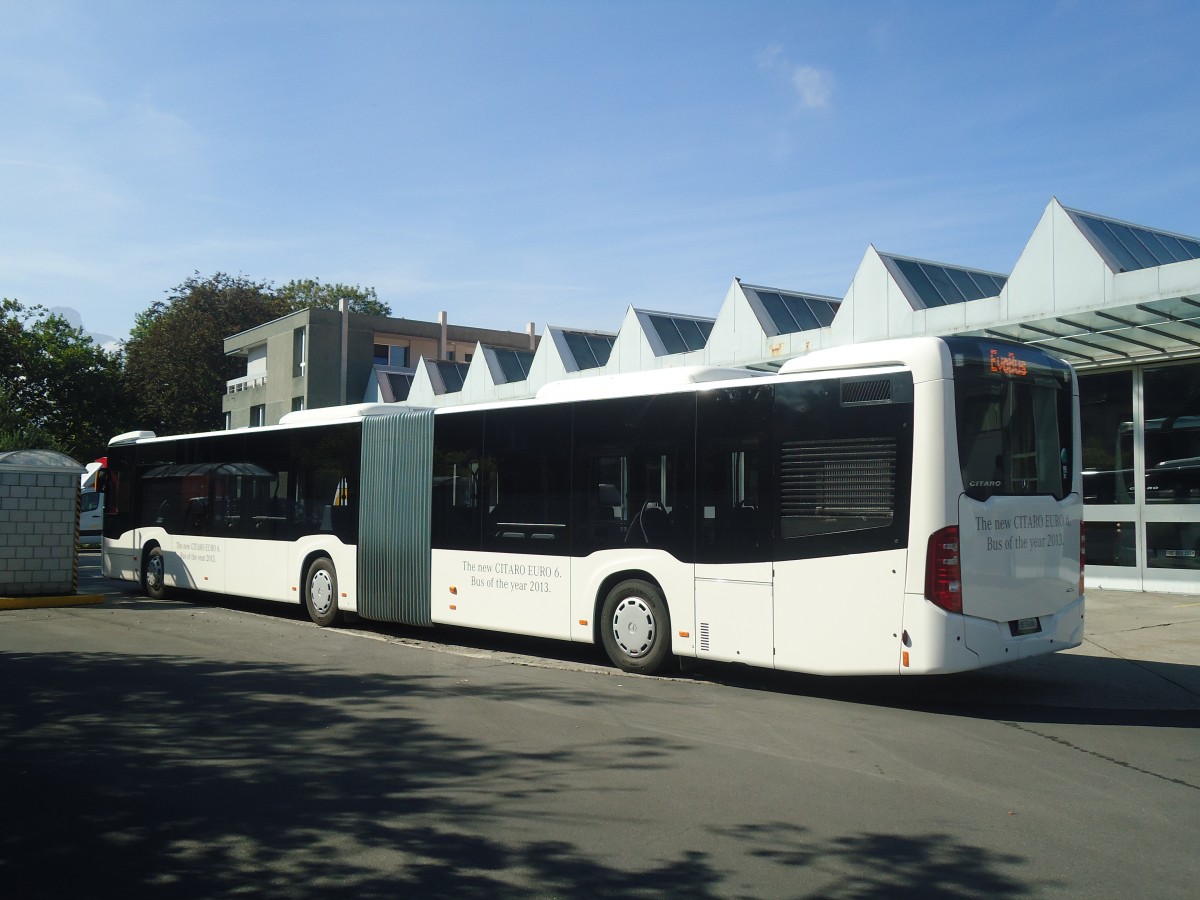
[258, 415]
[228, 421]
[1172, 441]
[1106, 421]
[450, 355]
[299, 343]
[297, 404]
[391, 355]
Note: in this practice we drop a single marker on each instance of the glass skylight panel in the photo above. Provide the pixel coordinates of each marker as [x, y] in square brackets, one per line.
[926, 292]
[778, 312]
[400, 384]
[790, 313]
[990, 285]
[945, 287]
[1125, 235]
[514, 364]
[801, 312]
[590, 350]
[681, 335]
[970, 288]
[1125, 260]
[1158, 246]
[824, 310]
[695, 334]
[1133, 247]
[937, 285]
[452, 375]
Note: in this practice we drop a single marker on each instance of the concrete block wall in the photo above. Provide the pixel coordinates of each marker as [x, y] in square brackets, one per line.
[39, 525]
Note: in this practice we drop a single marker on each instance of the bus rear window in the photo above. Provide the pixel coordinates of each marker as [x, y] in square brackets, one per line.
[1014, 427]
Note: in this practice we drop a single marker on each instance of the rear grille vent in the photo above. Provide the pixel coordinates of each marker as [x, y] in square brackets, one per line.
[856, 392]
[837, 485]
[704, 636]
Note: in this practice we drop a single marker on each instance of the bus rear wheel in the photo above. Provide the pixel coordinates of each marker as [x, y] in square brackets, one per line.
[154, 583]
[321, 594]
[635, 627]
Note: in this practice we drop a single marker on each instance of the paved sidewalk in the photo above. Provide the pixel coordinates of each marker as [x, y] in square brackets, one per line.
[1141, 651]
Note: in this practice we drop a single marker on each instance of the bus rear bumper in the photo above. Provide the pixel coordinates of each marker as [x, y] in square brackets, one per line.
[941, 642]
[994, 642]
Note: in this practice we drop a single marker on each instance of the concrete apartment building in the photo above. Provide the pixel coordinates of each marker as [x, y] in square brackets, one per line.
[295, 362]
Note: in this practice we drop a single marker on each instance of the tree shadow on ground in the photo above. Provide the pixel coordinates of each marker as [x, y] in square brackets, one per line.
[142, 775]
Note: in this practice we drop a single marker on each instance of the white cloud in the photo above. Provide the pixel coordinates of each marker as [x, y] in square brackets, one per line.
[813, 86]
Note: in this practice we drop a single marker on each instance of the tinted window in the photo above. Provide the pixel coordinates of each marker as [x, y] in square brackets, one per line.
[1014, 435]
[844, 455]
[526, 474]
[1106, 424]
[1172, 434]
[734, 499]
[633, 474]
[458, 481]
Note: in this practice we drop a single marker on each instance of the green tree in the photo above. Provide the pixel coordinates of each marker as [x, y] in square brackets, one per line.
[311, 293]
[58, 389]
[175, 362]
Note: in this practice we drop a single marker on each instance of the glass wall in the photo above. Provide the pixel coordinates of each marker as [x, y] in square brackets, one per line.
[1141, 476]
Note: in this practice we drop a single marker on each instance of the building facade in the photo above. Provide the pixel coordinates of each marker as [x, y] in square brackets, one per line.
[296, 362]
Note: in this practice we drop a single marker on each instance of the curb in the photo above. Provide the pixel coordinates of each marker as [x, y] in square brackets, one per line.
[48, 602]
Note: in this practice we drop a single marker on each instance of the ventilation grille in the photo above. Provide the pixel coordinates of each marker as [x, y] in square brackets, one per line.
[704, 637]
[837, 485]
[866, 392]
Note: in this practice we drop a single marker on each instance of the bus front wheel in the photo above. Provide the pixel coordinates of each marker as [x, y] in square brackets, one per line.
[635, 627]
[154, 583]
[320, 593]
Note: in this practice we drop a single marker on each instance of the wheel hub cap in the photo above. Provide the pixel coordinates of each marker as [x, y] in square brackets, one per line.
[633, 627]
[321, 592]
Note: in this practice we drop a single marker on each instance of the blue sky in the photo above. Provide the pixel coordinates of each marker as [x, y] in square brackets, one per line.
[557, 162]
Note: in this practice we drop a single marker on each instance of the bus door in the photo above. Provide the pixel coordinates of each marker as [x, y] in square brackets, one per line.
[734, 594]
[843, 450]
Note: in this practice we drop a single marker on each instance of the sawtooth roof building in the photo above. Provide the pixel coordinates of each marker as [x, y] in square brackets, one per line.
[1120, 302]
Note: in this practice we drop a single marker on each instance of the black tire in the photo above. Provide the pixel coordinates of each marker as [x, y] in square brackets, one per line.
[154, 583]
[321, 593]
[635, 628]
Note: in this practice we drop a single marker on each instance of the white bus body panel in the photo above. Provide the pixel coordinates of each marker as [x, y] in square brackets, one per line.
[189, 561]
[265, 570]
[1020, 555]
[840, 614]
[521, 593]
[120, 559]
[734, 615]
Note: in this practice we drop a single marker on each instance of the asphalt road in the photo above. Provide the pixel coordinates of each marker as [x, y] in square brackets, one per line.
[201, 749]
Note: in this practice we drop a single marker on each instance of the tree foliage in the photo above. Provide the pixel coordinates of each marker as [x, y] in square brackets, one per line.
[58, 389]
[311, 293]
[175, 362]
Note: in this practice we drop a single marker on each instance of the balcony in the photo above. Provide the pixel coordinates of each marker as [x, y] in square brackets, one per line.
[249, 382]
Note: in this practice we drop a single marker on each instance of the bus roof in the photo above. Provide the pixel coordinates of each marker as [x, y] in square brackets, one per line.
[633, 383]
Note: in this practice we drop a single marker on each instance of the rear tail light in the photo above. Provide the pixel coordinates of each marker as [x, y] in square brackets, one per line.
[1082, 557]
[943, 570]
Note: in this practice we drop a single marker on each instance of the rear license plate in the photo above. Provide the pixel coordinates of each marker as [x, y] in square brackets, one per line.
[1025, 626]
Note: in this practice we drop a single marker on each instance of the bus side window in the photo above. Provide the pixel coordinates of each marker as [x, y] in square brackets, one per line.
[458, 472]
[733, 504]
[526, 469]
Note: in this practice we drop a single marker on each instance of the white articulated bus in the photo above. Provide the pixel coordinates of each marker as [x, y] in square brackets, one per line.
[907, 506]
